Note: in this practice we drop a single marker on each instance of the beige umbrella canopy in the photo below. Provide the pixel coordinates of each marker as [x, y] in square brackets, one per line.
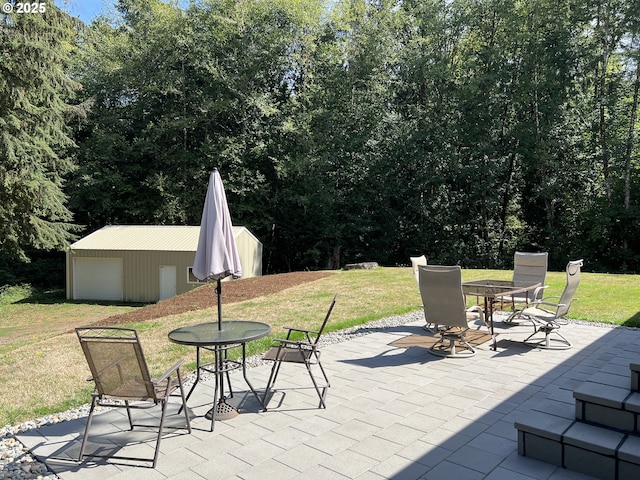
[217, 254]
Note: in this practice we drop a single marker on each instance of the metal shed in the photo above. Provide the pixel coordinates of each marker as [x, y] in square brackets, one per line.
[144, 263]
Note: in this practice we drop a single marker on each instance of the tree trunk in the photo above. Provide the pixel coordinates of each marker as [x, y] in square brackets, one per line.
[629, 148]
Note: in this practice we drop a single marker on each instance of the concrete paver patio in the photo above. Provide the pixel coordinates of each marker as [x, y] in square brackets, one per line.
[392, 413]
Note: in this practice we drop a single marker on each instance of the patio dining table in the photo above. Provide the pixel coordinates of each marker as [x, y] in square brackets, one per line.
[219, 339]
[492, 290]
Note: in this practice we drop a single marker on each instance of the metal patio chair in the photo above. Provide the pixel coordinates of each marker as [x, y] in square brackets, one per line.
[122, 380]
[416, 263]
[530, 267]
[444, 305]
[547, 316]
[304, 352]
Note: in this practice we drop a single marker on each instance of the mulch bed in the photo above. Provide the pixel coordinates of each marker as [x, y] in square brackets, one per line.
[205, 296]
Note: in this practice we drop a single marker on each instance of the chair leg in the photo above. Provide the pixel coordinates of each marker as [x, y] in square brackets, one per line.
[324, 374]
[562, 339]
[321, 394]
[548, 343]
[431, 327]
[164, 403]
[160, 429]
[126, 402]
[86, 429]
[511, 320]
[452, 352]
[326, 380]
[184, 402]
[272, 380]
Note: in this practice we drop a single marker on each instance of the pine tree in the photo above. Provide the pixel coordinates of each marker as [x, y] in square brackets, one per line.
[35, 49]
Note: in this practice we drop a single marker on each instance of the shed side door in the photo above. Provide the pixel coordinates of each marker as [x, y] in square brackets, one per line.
[167, 281]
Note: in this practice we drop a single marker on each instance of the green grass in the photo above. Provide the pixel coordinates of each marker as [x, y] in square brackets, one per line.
[29, 315]
[601, 297]
[42, 369]
[10, 295]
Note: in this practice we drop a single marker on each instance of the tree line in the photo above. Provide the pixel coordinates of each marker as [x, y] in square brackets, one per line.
[345, 130]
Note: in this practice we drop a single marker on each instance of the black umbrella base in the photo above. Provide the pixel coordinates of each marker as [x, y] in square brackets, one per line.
[223, 411]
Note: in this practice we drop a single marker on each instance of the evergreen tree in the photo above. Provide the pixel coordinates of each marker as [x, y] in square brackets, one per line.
[34, 90]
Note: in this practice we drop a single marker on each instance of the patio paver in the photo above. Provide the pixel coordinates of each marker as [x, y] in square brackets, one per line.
[391, 413]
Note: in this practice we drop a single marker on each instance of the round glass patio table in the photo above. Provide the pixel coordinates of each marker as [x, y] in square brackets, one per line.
[219, 338]
[208, 334]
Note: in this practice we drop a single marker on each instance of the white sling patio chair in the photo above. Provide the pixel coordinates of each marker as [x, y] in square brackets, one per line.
[547, 316]
[444, 305]
[417, 262]
[527, 267]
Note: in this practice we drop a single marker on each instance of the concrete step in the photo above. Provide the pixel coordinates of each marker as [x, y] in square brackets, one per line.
[540, 437]
[593, 450]
[629, 458]
[609, 406]
[635, 376]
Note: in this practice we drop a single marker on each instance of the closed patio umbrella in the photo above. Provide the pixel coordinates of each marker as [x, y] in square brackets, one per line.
[217, 255]
[216, 258]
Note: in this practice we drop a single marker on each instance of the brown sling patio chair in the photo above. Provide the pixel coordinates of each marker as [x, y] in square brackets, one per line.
[305, 352]
[122, 379]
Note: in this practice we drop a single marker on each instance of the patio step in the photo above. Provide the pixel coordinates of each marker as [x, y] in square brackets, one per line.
[540, 437]
[608, 406]
[635, 376]
[581, 447]
[604, 438]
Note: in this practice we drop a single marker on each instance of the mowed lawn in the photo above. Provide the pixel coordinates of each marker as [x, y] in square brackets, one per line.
[42, 369]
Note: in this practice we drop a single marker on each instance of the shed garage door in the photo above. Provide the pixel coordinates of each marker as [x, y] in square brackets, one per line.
[97, 279]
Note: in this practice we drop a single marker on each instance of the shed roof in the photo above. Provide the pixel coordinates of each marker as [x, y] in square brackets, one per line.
[179, 238]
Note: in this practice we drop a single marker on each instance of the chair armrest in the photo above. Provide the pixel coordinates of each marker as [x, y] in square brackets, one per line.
[551, 296]
[480, 310]
[168, 373]
[545, 300]
[538, 290]
[301, 330]
[291, 343]
[551, 304]
[294, 344]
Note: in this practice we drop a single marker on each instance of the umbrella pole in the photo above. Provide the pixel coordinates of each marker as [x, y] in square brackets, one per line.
[221, 410]
[219, 292]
